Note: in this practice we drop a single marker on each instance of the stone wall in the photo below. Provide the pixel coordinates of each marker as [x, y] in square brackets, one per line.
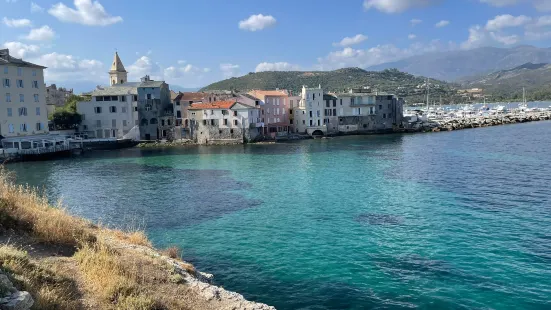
[11, 298]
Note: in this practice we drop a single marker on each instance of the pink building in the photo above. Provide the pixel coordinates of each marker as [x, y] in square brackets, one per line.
[274, 111]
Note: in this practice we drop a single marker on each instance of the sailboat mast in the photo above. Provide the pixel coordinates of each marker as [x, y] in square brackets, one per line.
[428, 95]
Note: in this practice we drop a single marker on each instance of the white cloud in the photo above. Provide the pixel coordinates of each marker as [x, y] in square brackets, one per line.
[86, 12]
[540, 5]
[442, 23]
[396, 6]
[44, 33]
[412, 37]
[415, 22]
[257, 22]
[229, 70]
[276, 66]
[16, 23]
[187, 69]
[69, 68]
[543, 5]
[181, 62]
[348, 41]
[35, 8]
[21, 50]
[145, 66]
[505, 39]
[506, 21]
[364, 58]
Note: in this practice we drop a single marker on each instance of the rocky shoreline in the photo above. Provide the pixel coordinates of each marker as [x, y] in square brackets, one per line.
[477, 122]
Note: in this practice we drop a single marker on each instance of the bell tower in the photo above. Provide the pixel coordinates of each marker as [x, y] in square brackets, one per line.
[117, 74]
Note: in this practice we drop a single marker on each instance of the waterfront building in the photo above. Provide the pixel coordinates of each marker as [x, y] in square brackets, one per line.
[308, 115]
[23, 109]
[117, 74]
[224, 122]
[274, 110]
[56, 97]
[111, 112]
[155, 110]
[362, 110]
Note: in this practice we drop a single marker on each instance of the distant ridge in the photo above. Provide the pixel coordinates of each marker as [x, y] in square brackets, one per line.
[453, 65]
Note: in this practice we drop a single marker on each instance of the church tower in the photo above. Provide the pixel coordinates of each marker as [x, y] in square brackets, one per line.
[117, 74]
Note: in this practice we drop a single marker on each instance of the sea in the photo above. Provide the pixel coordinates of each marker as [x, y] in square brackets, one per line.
[448, 220]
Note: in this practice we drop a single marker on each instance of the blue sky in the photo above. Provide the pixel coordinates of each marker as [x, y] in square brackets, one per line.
[194, 43]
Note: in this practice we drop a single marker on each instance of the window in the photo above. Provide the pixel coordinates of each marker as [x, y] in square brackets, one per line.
[318, 113]
[35, 97]
[21, 98]
[135, 109]
[6, 83]
[148, 107]
[212, 122]
[9, 112]
[124, 109]
[153, 121]
[205, 121]
[114, 98]
[341, 101]
[97, 110]
[11, 128]
[235, 122]
[313, 96]
[106, 98]
[35, 84]
[34, 72]
[113, 109]
[303, 122]
[99, 98]
[84, 127]
[135, 98]
[310, 113]
[23, 127]
[169, 122]
[384, 115]
[177, 102]
[113, 123]
[380, 106]
[123, 98]
[179, 114]
[225, 112]
[98, 123]
[144, 122]
[276, 113]
[19, 83]
[334, 112]
[23, 111]
[162, 122]
[8, 97]
[19, 71]
[37, 111]
[371, 110]
[226, 122]
[334, 103]
[327, 104]
[38, 126]
[148, 96]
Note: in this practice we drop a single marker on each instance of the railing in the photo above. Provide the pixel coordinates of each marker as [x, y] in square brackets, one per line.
[53, 149]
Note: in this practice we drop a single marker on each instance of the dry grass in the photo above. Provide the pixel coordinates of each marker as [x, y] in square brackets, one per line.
[23, 208]
[49, 288]
[173, 252]
[105, 272]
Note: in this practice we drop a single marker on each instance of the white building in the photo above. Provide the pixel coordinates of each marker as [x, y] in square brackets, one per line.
[113, 111]
[22, 97]
[308, 116]
[224, 121]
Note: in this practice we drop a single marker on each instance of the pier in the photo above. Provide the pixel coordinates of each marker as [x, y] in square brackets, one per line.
[458, 123]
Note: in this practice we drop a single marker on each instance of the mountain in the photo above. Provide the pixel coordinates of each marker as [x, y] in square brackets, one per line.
[451, 65]
[507, 84]
[393, 81]
[178, 88]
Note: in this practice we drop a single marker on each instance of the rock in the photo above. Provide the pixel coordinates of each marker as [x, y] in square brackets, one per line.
[6, 287]
[17, 301]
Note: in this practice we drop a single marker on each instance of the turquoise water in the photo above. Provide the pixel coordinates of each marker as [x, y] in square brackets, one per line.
[452, 220]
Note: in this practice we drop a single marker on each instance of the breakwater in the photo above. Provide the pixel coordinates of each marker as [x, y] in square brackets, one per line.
[450, 124]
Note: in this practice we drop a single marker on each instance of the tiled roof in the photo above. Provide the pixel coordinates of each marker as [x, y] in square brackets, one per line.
[5, 58]
[249, 96]
[190, 96]
[151, 84]
[130, 88]
[329, 97]
[212, 105]
[264, 93]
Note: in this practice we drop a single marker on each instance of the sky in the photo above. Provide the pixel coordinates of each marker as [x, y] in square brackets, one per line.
[194, 43]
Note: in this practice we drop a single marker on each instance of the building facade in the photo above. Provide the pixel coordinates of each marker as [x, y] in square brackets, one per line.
[117, 74]
[274, 111]
[308, 115]
[224, 122]
[22, 97]
[56, 97]
[155, 110]
[111, 112]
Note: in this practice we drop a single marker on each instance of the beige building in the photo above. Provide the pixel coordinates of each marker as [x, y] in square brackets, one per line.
[22, 97]
[56, 97]
[308, 115]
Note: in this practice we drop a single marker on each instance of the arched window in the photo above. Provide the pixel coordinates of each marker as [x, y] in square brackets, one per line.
[162, 122]
[169, 122]
[144, 122]
[153, 121]
[122, 81]
[148, 107]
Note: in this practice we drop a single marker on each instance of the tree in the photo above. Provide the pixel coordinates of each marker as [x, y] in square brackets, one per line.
[66, 120]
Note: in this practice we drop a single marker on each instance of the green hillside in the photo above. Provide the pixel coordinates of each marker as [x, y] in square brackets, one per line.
[391, 80]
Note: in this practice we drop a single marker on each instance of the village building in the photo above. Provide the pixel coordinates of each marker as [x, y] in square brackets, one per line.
[308, 115]
[155, 110]
[224, 122]
[274, 111]
[23, 109]
[56, 97]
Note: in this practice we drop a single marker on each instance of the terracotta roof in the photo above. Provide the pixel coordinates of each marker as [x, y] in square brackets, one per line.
[264, 93]
[212, 105]
[189, 96]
